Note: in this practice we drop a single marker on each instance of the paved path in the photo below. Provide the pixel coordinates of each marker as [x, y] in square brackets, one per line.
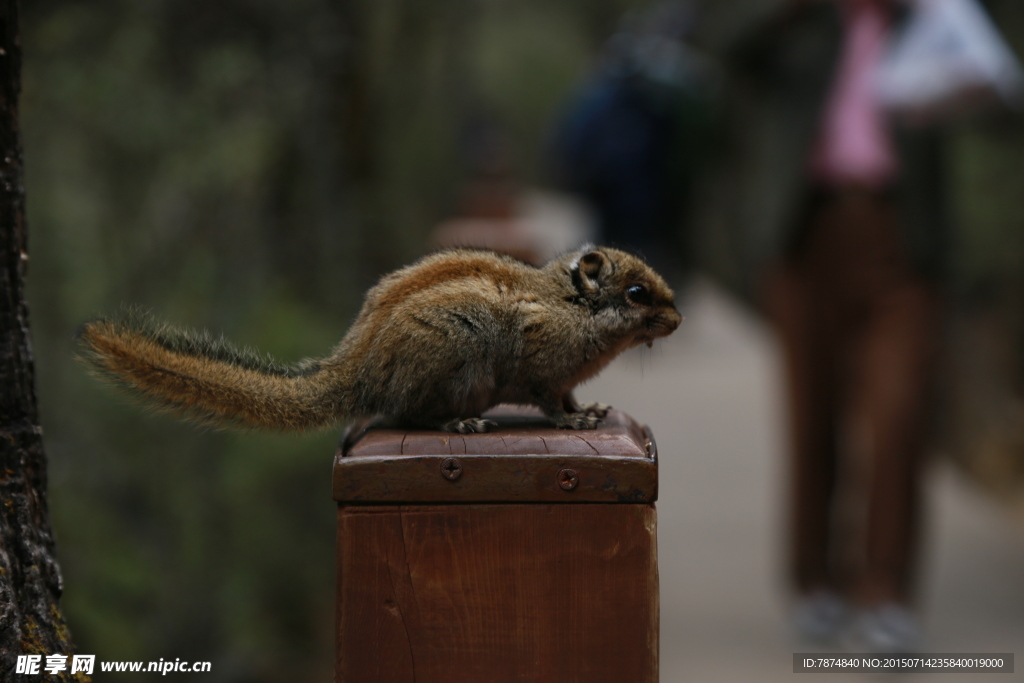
[711, 395]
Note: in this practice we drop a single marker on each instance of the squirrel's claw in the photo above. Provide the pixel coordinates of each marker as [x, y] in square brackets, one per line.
[596, 409]
[576, 421]
[469, 425]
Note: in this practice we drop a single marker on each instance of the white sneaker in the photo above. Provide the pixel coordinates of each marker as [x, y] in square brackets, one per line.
[820, 617]
[889, 627]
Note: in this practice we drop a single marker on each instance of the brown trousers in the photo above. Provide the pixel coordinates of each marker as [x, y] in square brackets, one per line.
[858, 333]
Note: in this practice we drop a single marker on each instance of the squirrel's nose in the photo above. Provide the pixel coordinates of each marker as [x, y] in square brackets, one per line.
[674, 319]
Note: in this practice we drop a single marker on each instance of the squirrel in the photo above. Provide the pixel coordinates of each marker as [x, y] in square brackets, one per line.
[435, 345]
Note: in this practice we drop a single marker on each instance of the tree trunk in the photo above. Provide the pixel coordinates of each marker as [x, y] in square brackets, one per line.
[30, 580]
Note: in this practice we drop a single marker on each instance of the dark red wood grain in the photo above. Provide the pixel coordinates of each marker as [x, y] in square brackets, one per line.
[497, 593]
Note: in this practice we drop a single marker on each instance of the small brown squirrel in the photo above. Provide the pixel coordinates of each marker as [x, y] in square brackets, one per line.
[436, 344]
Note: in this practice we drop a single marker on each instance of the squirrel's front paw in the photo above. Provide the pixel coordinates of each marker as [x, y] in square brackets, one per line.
[596, 409]
[576, 421]
[469, 425]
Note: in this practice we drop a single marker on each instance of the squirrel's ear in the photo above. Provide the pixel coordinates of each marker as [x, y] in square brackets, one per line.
[592, 263]
[591, 267]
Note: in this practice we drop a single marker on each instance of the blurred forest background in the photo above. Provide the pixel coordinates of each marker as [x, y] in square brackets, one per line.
[251, 166]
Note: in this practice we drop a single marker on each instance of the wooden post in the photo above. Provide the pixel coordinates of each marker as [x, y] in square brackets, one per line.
[524, 554]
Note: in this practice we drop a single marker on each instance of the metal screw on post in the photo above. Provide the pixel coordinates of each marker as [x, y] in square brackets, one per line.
[568, 479]
[451, 469]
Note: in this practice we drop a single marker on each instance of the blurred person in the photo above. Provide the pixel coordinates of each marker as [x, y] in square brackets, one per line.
[843, 239]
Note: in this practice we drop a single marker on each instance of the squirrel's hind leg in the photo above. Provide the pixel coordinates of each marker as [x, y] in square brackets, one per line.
[357, 430]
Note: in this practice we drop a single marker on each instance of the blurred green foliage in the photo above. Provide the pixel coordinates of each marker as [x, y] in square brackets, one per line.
[248, 166]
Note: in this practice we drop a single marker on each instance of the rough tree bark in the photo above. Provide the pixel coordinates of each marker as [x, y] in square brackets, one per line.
[30, 579]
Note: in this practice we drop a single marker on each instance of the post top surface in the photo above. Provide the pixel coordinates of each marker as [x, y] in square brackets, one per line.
[523, 459]
[520, 431]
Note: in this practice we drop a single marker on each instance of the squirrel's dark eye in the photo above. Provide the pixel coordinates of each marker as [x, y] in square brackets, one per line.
[639, 294]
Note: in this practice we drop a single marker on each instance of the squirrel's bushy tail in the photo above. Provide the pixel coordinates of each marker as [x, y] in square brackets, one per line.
[206, 379]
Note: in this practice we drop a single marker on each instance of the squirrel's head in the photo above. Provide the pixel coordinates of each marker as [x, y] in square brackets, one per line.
[628, 298]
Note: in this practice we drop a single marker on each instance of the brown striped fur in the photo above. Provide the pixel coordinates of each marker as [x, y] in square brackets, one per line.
[436, 344]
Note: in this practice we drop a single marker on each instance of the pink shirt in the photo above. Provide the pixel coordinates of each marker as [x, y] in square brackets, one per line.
[854, 145]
